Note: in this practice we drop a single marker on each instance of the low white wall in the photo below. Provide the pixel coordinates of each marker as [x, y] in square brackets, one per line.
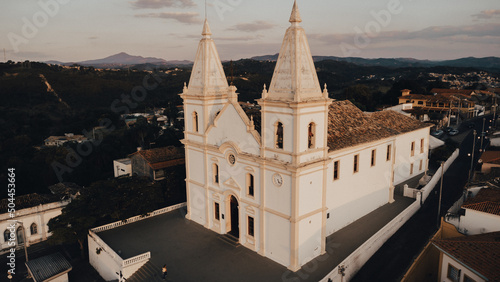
[361, 255]
[107, 262]
[437, 176]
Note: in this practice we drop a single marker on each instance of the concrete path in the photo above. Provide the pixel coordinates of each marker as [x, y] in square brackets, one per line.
[193, 253]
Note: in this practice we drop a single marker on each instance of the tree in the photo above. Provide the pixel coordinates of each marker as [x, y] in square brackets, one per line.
[104, 202]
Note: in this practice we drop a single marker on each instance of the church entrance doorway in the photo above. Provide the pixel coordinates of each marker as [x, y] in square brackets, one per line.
[235, 218]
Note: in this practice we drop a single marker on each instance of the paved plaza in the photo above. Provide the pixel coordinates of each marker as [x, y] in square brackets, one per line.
[193, 253]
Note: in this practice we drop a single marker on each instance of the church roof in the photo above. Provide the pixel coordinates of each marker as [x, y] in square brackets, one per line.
[207, 77]
[295, 77]
[348, 126]
[397, 121]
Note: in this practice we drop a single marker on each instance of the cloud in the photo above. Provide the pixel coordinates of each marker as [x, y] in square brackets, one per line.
[252, 27]
[486, 14]
[156, 4]
[183, 17]
[472, 32]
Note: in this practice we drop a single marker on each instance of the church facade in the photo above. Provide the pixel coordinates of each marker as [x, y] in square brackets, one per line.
[315, 166]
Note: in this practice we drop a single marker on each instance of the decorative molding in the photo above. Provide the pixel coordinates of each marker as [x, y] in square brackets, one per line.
[232, 184]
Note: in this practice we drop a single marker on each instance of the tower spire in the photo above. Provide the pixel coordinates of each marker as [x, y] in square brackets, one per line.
[206, 29]
[295, 17]
[207, 77]
[295, 78]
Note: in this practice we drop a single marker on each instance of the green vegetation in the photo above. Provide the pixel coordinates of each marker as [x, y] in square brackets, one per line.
[108, 201]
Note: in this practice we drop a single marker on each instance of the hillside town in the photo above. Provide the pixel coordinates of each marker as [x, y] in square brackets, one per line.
[283, 167]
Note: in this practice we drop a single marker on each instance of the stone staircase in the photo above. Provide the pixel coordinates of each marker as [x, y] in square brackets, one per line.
[230, 239]
[148, 272]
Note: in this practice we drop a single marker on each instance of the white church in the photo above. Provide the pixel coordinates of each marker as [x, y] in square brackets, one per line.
[316, 166]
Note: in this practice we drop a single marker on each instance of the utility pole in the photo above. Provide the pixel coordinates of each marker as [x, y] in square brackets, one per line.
[440, 195]
[482, 136]
[472, 157]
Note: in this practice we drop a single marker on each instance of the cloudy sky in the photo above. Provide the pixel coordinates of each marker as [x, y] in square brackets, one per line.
[76, 30]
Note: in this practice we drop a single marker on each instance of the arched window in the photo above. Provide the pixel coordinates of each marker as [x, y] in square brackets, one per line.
[20, 239]
[33, 229]
[250, 184]
[215, 170]
[279, 135]
[6, 235]
[311, 134]
[195, 121]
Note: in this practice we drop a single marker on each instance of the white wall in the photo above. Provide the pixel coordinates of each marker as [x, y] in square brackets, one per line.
[463, 270]
[310, 238]
[278, 239]
[354, 195]
[197, 202]
[476, 222]
[104, 263]
[39, 214]
[121, 168]
[230, 127]
[404, 158]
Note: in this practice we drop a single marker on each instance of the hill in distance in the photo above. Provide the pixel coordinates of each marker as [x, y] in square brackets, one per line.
[489, 63]
[124, 60]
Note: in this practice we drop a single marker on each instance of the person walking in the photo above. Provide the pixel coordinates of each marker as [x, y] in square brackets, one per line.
[164, 271]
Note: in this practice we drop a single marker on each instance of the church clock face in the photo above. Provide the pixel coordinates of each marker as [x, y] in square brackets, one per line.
[277, 179]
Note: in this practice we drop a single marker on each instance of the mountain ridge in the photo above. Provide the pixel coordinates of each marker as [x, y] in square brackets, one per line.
[123, 59]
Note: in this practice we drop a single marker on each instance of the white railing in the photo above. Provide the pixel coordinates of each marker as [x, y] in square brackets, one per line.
[136, 259]
[137, 218]
[104, 247]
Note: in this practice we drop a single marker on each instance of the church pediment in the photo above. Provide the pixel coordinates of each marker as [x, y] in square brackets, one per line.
[232, 184]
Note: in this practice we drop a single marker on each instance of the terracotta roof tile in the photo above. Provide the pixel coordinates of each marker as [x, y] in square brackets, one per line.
[487, 200]
[398, 122]
[159, 155]
[479, 252]
[349, 126]
[29, 201]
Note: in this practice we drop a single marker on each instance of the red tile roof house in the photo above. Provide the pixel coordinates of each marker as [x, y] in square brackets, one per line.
[152, 163]
[482, 213]
[472, 258]
[490, 159]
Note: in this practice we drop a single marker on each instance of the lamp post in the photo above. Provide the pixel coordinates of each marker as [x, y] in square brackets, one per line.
[482, 136]
[472, 157]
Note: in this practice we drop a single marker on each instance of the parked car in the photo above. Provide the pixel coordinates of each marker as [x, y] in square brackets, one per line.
[453, 132]
[448, 129]
[437, 133]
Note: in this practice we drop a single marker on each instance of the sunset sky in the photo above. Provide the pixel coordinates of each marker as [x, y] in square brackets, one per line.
[77, 30]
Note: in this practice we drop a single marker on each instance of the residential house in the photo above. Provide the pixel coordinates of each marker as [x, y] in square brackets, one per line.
[33, 212]
[480, 213]
[153, 163]
[122, 167]
[60, 140]
[470, 259]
